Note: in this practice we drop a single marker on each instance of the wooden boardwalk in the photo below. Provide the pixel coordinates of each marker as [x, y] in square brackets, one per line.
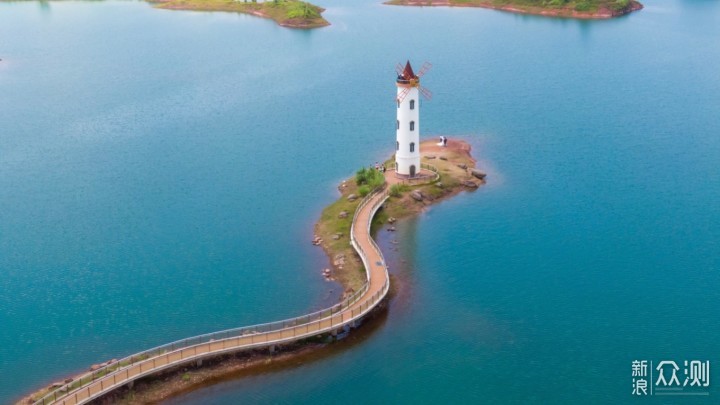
[340, 316]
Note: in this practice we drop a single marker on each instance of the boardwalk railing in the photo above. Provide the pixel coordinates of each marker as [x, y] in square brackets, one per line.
[373, 210]
[113, 375]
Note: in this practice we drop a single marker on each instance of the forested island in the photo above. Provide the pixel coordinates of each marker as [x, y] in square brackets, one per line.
[288, 13]
[582, 9]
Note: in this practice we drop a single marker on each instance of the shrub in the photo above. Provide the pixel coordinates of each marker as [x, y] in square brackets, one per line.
[376, 179]
[583, 6]
[361, 176]
[396, 190]
[300, 9]
[364, 190]
[620, 5]
[370, 177]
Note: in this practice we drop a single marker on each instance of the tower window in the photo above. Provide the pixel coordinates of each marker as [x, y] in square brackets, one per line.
[412, 104]
[398, 124]
[412, 125]
[398, 103]
[412, 146]
[397, 145]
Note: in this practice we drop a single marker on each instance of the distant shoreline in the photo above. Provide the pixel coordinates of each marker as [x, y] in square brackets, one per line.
[601, 13]
[286, 13]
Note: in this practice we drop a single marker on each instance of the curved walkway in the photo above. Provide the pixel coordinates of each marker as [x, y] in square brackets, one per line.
[340, 316]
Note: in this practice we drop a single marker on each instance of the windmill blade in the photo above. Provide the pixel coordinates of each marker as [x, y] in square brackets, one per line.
[399, 69]
[425, 92]
[425, 67]
[403, 94]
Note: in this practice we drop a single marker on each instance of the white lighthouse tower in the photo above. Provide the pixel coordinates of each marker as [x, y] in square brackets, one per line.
[407, 147]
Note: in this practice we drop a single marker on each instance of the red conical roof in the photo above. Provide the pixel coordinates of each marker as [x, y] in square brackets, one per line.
[408, 73]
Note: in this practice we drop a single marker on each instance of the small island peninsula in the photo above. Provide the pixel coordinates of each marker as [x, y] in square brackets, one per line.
[287, 13]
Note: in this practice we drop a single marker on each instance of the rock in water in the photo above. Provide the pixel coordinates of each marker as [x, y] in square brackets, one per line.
[477, 173]
[470, 184]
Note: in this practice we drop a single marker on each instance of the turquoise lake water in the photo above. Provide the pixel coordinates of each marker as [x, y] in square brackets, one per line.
[161, 171]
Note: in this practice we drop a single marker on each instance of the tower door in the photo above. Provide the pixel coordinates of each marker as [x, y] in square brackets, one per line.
[412, 170]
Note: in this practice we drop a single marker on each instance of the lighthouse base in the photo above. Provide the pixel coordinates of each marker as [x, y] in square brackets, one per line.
[409, 167]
